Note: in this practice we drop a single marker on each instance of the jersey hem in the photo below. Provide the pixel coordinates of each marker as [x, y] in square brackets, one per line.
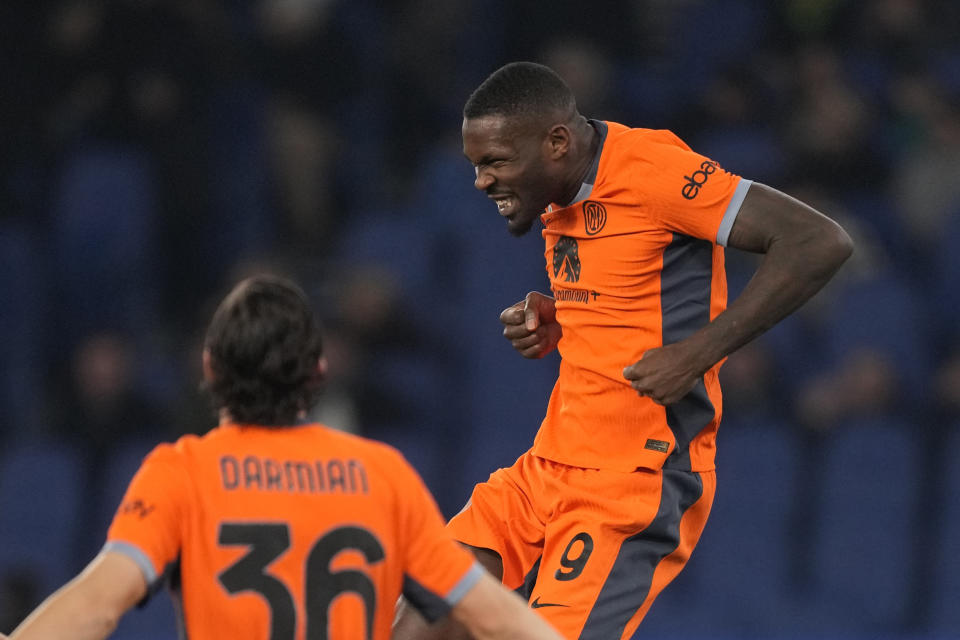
[653, 462]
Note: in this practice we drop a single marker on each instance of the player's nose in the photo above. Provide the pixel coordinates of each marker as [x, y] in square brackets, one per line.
[483, 181]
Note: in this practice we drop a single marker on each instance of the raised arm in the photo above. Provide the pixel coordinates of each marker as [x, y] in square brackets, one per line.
[89, 606]
[802, 250]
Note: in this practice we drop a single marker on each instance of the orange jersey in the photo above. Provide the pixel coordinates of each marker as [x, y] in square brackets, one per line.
[636, 262]
[298, 532]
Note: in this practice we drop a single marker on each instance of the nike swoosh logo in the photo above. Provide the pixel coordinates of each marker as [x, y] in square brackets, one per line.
[536, 604]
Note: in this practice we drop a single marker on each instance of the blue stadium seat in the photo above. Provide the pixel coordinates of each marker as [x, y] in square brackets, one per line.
[883, 312]
[22, 323]
[104, 225]
[392, 241]
[41, 495]
[506, 395]
[415, 383]
[944, 306]
[863, 563]
[945, 593]
[240, 220]
[752, 152]
[736, 582]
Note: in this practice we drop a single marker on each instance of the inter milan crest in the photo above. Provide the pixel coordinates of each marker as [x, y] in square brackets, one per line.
[566, 259]
[594, 217]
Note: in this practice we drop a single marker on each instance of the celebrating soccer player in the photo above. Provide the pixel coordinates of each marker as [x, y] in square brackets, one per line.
[604, 510]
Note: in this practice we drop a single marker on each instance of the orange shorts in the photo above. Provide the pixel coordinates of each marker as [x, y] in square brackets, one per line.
[589, 548]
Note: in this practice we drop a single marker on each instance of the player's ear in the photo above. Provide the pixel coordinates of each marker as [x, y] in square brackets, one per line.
[322, 368]
[558, 141]
[207, 366]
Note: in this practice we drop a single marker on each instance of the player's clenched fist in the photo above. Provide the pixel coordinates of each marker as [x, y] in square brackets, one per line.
[665, 374]
[531, 325]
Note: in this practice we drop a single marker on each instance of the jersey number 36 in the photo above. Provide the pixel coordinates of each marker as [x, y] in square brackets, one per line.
[267, 541]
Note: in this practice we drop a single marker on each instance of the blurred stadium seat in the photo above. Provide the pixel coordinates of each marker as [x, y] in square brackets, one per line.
[41, 497]
[862, 552]
[946, 307]
[736, 583]
[23, 299]
[747, 151]
[886, 314]
[945, 593]
[104, 215]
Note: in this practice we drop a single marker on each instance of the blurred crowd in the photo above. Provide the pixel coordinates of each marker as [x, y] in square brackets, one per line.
[155, 151]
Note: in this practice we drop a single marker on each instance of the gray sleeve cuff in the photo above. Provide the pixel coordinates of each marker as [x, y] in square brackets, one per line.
[134, 553]
[730, 215]
[466, 583]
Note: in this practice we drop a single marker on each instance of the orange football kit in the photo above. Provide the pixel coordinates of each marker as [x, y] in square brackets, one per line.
[605, 508]
[284, 533]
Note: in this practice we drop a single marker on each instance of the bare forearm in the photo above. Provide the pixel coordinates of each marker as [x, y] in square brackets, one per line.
[89, 606]
[514, 621]
[490, 612]
[68, 613]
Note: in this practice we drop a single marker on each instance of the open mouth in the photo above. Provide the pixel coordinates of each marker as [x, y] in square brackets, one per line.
[505, 204]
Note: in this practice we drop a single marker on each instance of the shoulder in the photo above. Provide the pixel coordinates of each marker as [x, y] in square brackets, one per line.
[623, 138]
[630, 150]
[172, 452]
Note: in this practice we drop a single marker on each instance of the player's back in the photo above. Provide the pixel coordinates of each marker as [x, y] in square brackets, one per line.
[278, 532]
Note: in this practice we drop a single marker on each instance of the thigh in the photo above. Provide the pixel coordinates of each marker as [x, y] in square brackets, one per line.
[503, 516]
[619, 539]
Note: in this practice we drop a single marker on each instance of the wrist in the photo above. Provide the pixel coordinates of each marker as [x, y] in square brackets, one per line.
[703, 352]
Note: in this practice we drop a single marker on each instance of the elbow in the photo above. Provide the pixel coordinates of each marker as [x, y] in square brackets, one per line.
[842, 245]
[834, 245]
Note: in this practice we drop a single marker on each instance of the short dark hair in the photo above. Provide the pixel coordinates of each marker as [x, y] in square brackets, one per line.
[264, 343]
[524, 89]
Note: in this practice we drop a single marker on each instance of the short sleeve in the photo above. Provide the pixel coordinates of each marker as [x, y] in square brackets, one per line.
[693, 195]
[146, 526]
[438, 572]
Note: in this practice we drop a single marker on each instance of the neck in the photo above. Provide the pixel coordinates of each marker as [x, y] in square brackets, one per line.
[586, 142]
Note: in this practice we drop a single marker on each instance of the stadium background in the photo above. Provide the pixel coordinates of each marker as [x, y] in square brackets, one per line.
[154, 151]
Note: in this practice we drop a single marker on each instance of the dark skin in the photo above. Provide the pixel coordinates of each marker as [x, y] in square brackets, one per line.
[527, 165]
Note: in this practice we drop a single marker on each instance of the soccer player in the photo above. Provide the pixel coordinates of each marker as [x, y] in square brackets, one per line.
[604, 510]
[273, 528]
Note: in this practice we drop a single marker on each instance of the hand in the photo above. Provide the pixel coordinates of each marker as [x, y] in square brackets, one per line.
[531, 325]
[664, 374]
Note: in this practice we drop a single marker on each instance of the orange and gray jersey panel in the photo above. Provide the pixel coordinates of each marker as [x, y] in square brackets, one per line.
[279, 533]
[634, 264]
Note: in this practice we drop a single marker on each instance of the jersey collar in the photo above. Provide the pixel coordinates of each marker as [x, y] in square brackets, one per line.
[586, 187]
